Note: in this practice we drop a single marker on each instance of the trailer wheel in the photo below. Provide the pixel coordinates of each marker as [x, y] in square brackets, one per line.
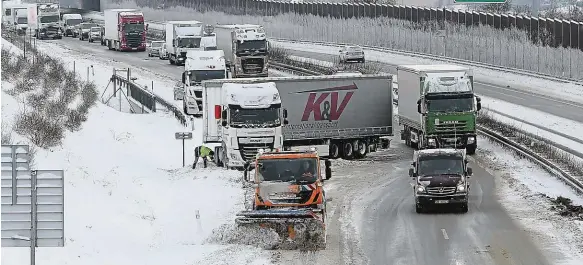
[334, 150]
[347, 150]
[361, 148]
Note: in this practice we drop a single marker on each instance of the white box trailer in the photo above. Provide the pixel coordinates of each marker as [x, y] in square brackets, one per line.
[245, 47]
[181, 37]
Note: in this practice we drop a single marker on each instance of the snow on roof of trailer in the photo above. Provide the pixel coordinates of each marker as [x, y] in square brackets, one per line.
[131, 13]
[434, 67]
[122, 9]
[453, 82]
[234, 26]
[184, 22]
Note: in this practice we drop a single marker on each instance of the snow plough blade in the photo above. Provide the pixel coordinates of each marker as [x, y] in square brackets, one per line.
[297, 229]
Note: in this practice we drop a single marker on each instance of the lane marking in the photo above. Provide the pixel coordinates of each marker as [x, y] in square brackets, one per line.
[444, 234]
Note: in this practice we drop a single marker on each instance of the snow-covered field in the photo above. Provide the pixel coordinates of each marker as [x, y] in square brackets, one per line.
[509, 48]
[520, 185]
[128, 198]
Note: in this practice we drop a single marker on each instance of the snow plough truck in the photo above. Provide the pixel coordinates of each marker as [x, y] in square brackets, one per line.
[288, 197]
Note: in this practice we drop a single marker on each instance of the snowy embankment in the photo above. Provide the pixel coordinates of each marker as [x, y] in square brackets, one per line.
[128, 198]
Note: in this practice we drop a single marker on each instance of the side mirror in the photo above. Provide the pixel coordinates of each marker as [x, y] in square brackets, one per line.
[328, 165]
[147, 25]
[224, 123]
[411, 172]
[224, 114]
[285, 121]
[419, 106]
[184, 77]
[478, 103]
[470, 171]
[284, 113]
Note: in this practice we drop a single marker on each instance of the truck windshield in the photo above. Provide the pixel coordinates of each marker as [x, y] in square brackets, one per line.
[437, 165]
[450, 105]
[157, 44]
[95, 29]
[303, 170]
[88, 26]
[249, 118]
[130, 27]
[189, 43]
[49, 19]
[73, 21]
[22, 20]
[251, 45]
[198, 76]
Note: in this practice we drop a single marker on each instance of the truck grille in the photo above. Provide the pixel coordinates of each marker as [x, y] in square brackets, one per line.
[249, 151]
[134, 41]
[183, 55]
[441, 190]
[300, 198]
[252, 65]
[451, 127]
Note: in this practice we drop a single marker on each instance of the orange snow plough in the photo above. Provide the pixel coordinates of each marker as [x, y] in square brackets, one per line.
[289, 198]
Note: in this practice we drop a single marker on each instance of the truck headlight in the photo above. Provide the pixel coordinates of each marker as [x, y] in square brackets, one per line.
[420, 189]
[471, 140]
[431, 142]
[461, 188]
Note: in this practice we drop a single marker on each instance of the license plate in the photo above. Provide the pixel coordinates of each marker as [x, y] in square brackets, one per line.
[441, 201]
[134, 49]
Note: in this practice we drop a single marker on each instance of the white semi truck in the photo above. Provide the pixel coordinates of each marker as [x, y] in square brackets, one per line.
[20, 18]
[7, 11]
[45, 20]
[200, 66]
[245, 48]
[69, 22]
[181, 37]
[341, 116]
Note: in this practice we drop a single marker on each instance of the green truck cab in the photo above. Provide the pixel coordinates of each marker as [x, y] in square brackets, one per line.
[437, 106]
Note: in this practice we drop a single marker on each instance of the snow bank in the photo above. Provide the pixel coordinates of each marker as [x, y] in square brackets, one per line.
[520, 184]
[531, 84]
[128, 199]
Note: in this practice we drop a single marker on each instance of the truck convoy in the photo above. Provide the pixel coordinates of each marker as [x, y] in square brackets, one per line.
[289, 198]
[200, 66]
[245, 48]
[125, 30]
[437, 106]
[69, 23]
[182, 36]
[84, 30]
[45, 20]
[440, 178]
[325, 112]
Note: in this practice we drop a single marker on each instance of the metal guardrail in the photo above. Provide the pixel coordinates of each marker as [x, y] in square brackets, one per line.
[144, 97]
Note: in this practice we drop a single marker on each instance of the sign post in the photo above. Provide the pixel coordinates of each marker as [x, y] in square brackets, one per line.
[30, 198]
[480, 1]
[183, 136]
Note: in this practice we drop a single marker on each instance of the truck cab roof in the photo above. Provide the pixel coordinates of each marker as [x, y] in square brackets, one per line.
[205, 60]
[440, 152]
[258, 95]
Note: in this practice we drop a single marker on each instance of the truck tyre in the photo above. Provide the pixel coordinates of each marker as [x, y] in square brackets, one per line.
[347, 150]
[219, 156]
[464, 208]
[407, 135]
[471, 149]
[419, 208]
[361, 148]
[334, 150]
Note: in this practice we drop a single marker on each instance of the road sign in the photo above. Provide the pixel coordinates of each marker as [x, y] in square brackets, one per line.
[480, 1]
[32, 202]
[183, 136]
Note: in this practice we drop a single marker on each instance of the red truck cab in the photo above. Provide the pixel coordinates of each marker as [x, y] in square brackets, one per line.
[132, 31]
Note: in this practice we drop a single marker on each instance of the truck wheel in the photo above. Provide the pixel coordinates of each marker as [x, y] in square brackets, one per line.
[334, 150]
[464, 208]
[471, 149]
[218, 156]
[361, 148]
[419, 208]
[347, 150]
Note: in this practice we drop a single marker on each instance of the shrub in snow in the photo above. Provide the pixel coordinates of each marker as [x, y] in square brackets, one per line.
[56, 100]
[507, 48]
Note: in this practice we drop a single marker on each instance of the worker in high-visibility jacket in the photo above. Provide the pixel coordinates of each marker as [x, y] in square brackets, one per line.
[203, 152]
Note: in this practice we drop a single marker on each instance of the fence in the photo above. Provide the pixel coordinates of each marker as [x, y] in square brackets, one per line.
[147, 98]
[549, 46]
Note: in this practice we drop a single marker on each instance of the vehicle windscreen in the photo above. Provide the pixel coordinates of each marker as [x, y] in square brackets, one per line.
[189, 43]
[251, 45]
[22, 20]
[354, 49]
[303, 170]
[73, 21]
[131, 27]
[157, 44]
[250, 118]
[95, 29]
[49, 19]
[450, 105]
[440, 165]
[200, 75]
[88, 26]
